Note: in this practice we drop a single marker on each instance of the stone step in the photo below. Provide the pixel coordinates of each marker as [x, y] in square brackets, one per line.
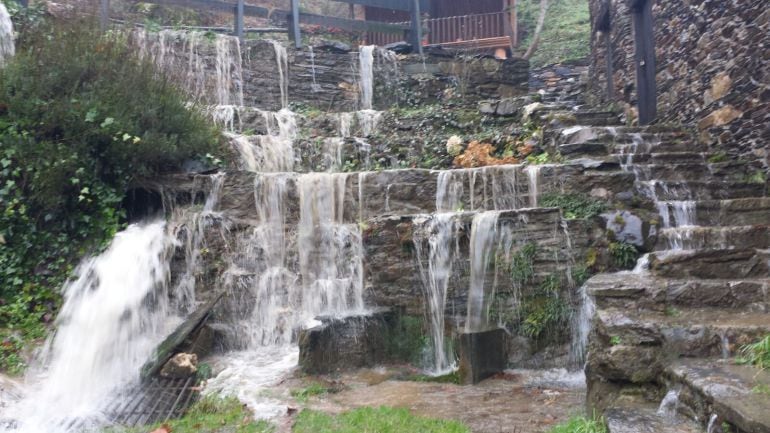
[747, 263]
[702, 190]
[645, 419]
[698, 237]
[676, 172]
[642, 290]
[739, 212]
[637, 345]
[662, 158]
[718, 392]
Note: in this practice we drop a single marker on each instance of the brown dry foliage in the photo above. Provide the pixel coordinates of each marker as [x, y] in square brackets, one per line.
[480, 155]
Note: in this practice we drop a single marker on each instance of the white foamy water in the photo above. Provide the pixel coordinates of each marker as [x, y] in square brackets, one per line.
[7, 45]
[436, 263]
[113, 316]
[273, 152]
[669, 405]
[282, 64]
[483, 234]
[366, 79]
[488, 188]
[581, 328]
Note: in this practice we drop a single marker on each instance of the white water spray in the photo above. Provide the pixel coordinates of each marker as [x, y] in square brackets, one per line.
[483, 233]
[282, 63]
[440, 232]
[7, 45]
[114, 314]
[366, 80]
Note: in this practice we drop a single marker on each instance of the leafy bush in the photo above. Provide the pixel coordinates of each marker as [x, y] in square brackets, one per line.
[367, 419]
[545, 312]
[523, 263]
[81, 118]
[624, 255]
[757, 354]
[574, 206]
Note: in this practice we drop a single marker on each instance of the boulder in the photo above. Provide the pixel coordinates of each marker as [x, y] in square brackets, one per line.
[180, 366]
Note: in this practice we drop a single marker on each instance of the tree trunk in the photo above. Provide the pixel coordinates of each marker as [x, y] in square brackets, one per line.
[538, 30]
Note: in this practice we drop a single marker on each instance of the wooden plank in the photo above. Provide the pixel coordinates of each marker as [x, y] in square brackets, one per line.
[398, 5]
[644, 40]
[353, 25]
[238, 28]
[165, 350]
[214, 5]
[296, 35]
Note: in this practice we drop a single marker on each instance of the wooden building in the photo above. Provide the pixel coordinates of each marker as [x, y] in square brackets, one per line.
[454, 23]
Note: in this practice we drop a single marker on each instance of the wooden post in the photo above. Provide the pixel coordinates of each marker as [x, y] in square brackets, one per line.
[238, 25]
[514, 23]
[295, 30]
[104, 14]
[644, 40]
[416, 32]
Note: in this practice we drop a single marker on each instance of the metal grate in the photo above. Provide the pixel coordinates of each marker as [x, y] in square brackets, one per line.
[157, 400]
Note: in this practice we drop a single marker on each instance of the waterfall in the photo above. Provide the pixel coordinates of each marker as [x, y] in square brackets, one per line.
[669, 405]
[273, 152]
[282, 62]
[449, 191]
[346, 121]
[440, 233]
[7, 45]
[315, 87]
[483, 233]
[533, 174]
[366, 80]
[330, 252]
[113, 316]
[581, 328]
[497, 185]
[368, 120]
[229, 66]
[332, 153]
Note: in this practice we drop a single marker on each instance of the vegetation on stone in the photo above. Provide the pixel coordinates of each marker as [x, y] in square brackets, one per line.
[756, 354]
[574, 206]
[81, 118]
[367, 419]
[581, 424]
[566, 32]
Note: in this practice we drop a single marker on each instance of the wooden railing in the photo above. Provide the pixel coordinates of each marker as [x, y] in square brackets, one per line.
[449, 30]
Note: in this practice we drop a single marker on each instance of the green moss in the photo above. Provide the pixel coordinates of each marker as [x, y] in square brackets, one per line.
[406, 340]
[623, 254]
[523, 263]
[757, 354]
[717, 158]
[375, 420]
[453, 377]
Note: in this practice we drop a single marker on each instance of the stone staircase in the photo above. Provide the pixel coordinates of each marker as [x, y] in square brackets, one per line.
[676, 322]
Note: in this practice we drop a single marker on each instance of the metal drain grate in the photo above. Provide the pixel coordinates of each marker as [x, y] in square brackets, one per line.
[158, 400]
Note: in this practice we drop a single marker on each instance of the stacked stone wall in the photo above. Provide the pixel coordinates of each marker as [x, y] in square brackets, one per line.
[713, 69]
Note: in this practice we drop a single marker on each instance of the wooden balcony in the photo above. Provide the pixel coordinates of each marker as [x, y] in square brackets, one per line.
[491, 30]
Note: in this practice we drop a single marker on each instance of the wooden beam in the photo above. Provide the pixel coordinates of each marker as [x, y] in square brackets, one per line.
[415, 35]
[104, 14]
[214, 5]
[352, 25]
[644, 57]
[238, 27]
[294, 24]
[398, 5]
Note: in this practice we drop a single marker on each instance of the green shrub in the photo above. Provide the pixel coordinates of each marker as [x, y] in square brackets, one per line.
[573, 206]
[81, 118]
[523, 263]
[623, 254]
[374, 420]
[757, 354]
[545, 312]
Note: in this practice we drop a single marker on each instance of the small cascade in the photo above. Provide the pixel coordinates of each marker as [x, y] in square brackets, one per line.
[192, 229]
[712, 427]
[436, 264]
[724, 344]
[114, 314]
[314, 86]
[182, 54]
[366, 79]
[533, 174]
[282, 62]
[482, 242]
[581, 328]
[332, 153]
[346, 123]
[449, 191]
[366, 149]
[669, 405]
[273, 152]
[489, 188]
[330, 252]
[7, 44]
[368, 120]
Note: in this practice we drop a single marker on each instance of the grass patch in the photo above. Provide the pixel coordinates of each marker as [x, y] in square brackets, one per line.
[211, 414]
[373, 420]
[566, 33]
[581, 424]
[756, 354]
[303, 394]
[453, 377]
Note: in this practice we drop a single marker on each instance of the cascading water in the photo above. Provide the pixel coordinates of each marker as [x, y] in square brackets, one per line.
[282, 62]
[497, 185]
[669, 405]
[314, 86]
[439, 231]
[581, 328]
[273, 152]
[7, 45]
[366, 80]
[533, 174]
[114, 314]
[483, 233]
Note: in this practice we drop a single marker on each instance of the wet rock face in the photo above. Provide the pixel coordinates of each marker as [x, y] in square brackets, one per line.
[709, 72]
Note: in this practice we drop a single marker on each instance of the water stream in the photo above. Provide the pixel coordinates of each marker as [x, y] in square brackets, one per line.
[483, 235]
[366, 80]
[7, 44]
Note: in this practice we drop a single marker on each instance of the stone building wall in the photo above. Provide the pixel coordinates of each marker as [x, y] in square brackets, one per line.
[713, 68]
